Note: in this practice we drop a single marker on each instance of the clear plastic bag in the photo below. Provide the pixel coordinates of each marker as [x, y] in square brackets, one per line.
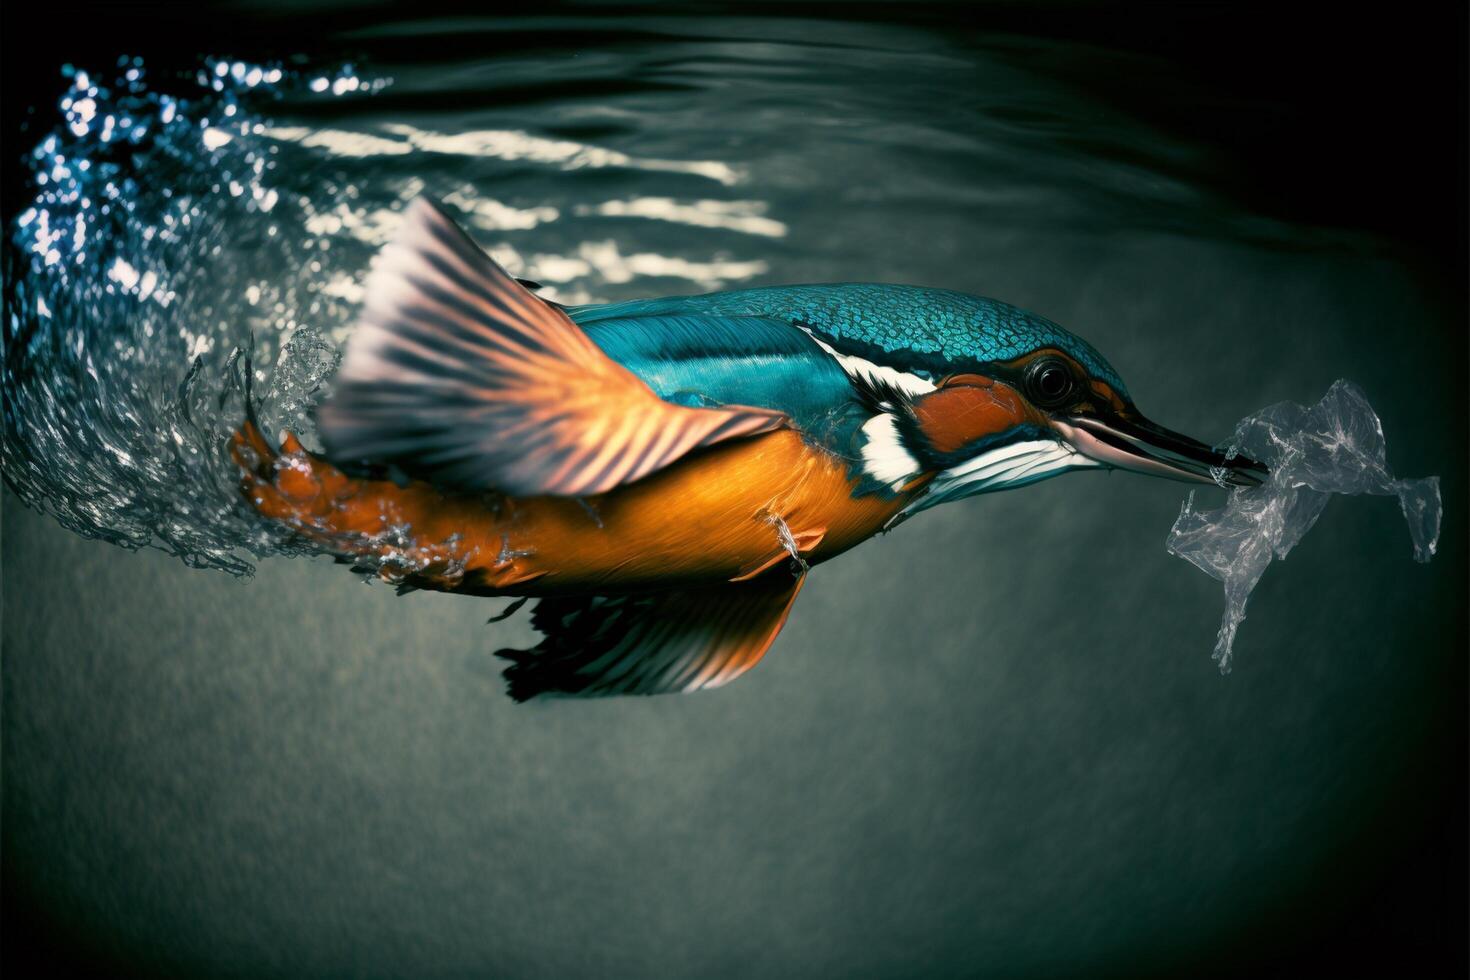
[1336, 446]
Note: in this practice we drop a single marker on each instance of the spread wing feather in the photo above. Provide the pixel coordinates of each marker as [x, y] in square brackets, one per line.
[458, 374]
[668, 642]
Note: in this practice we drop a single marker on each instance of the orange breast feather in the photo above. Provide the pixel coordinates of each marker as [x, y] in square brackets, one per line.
[725, 513]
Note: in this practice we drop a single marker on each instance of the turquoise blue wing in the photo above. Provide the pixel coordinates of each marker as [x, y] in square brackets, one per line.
[706, 361]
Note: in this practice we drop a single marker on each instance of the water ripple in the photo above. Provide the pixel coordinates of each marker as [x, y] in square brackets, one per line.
[512, 145]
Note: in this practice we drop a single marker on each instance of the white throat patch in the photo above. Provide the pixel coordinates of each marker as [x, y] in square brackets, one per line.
[884, 457]
[1015, 465]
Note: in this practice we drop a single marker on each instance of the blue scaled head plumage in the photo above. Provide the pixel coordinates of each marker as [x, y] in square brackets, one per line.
[986, 396]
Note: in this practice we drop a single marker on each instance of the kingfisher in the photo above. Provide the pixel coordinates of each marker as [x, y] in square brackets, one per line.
[661, 474]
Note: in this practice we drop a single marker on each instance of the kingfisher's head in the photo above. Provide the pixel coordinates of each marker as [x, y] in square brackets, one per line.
[1002, 398]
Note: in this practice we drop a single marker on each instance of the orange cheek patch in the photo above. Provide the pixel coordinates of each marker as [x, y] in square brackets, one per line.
[956, 415]
[1105, 391]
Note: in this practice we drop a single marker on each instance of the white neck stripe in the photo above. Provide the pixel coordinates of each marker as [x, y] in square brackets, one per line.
[863, 369]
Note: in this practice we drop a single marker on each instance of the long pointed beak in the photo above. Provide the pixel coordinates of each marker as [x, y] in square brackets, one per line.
[1135, 443]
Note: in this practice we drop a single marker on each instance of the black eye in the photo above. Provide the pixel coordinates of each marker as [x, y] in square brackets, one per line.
[1049, 383]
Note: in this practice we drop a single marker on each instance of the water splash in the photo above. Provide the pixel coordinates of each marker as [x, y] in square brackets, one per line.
[188, 230]
[1335, 447]
[143, 281]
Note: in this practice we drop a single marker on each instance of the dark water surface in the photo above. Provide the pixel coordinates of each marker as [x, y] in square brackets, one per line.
[991, 742]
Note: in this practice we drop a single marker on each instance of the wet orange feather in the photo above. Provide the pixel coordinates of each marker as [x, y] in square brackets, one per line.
[714, 516]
